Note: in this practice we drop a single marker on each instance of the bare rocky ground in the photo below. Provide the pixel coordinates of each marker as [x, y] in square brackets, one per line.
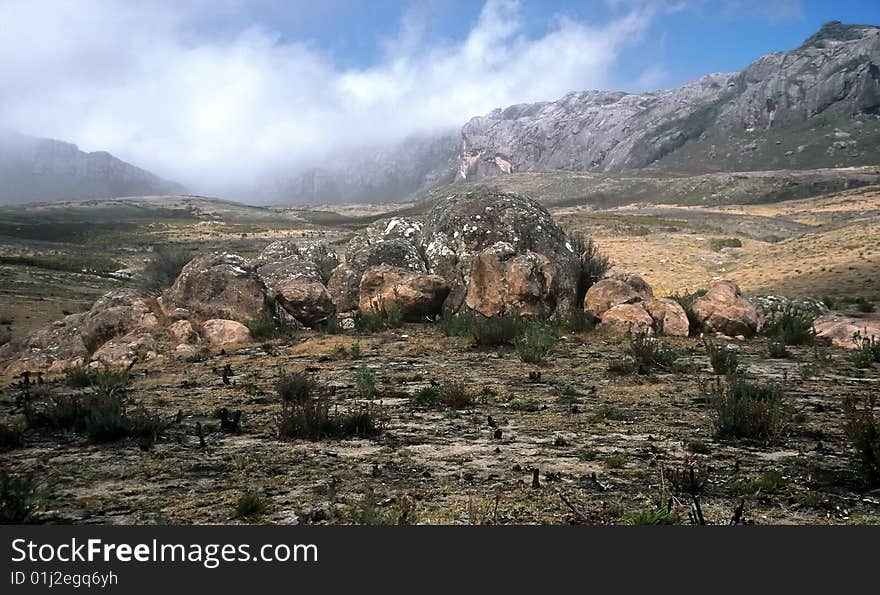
[600, 441]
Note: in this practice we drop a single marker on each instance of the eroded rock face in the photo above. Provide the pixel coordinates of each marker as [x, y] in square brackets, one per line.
[296, 284]
[218, 286]
[840, 329]
[417, 295]
[723, 309]
[669, 317]
[113, 315]
[607, 294]
[392, 243]
[225, 333]
[183, 331]
[628, 318]
[56, 347]
[122, 351]
[499, 227]
[504, 283]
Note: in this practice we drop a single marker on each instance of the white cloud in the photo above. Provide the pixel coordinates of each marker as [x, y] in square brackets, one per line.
[213, 111]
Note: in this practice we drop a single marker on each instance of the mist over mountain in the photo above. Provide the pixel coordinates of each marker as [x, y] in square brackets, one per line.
[42, 170]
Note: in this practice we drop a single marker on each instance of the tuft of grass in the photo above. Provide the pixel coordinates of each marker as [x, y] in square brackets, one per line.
[862, 429]
[652, 517]
[314, 420]
[724, 360]
[867, 351]
[271, 325]
[453, 395]
[106, 379]
[770, 482]
[535, 343]
[481, 330]
[379, 318]
[399, 511]
[575, 321]
[616, 461]
[19, 499]
[592, 264]
[776, 349]
[250, 505]
[699, 447]
[365, 379]
[745, 409]
[648, 354]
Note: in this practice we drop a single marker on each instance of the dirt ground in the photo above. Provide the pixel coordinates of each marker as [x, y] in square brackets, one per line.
[600, 441]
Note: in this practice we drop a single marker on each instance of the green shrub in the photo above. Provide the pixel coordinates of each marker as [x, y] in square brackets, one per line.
[575, 321]
[862, 429]
[535, 343]
[296, 387]
[867, 351]
[744, 409]
[10, 437]
[686, 301]
[449, 394]
[379, 318]
[724, 361]
[365, 379]
[401, 511]
[648, 354]
[497, 330]
[106, 379]
[776, 349]
[271, 325]
[250, 505]
[652, 517]
[19, 499]
[790, 325]
[718, 244]
[313, 420]
[592, 265]
[163, 268]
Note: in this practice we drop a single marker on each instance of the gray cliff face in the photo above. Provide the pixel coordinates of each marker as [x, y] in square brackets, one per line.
[39, 169]
[836, 71]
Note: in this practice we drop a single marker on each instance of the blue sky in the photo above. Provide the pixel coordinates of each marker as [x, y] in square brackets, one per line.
[220, 93]
[689, 39]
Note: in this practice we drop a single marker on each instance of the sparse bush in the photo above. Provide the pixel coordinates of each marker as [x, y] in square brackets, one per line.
[250, 505]
[449, 394]
[355, 350]
[864, 306]
[724, 361]
[163, 268]
[790, 325]
[744, 409]
[368, 511]
[379, 318]
[271, 325]
[366, 382]
[648, 354]
[497, 330]
[19, 498]
[776, 349]
[699, 447]
[575, 321]
[535, 343]
[718, 244]
[10, 437]
[770, 482]
[867, 351]
[591, 263]
[862, 429]
[313, 420]
[108, 379]
[296, 387]
[686, 301]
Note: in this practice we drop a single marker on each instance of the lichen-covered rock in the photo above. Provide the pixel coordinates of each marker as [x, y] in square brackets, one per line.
[225, 333]
[59, 345]
[502, 282]
[639, 285]
[415, 295]
[277, 250]
[628, 318]
[113, 315]
[325, 258]
[724, 309]
[218, 286]
[296, 284]
[606, 294]
[183, 331]
[669, 317]
[392, 243]
[122, 351]
[462, 226]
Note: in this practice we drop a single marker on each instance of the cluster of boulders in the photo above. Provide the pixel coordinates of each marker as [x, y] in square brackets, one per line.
[486, 251]
[625, 303]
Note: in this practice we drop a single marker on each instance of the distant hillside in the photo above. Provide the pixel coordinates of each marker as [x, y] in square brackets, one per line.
[38, 169]
[814, 107]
